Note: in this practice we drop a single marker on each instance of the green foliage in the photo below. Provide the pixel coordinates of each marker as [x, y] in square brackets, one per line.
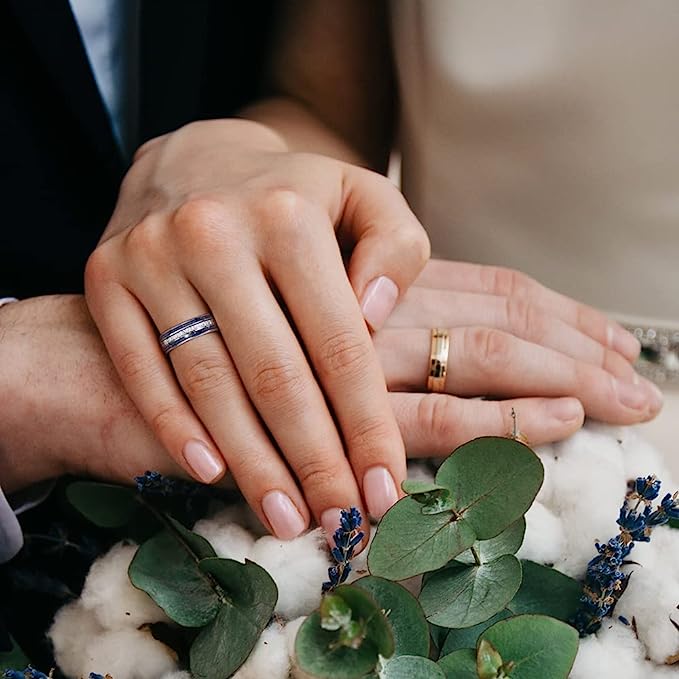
[546, 591]
[539, 647]
[491, 483]
[462, 596]
[507, 542]
[104, 504]
[410, 667]
[247, 597]
[180, 571]
[460, 664]
[466, 637]
[13, 658]
[330, 646]
[404, 613]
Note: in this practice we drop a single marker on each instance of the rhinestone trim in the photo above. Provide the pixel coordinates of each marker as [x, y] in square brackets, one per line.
[659, 360]
[186, 331]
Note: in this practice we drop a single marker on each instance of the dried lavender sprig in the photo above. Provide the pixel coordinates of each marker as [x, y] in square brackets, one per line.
[28, 673]
[346, 537]
[604, 581]
[154, 483]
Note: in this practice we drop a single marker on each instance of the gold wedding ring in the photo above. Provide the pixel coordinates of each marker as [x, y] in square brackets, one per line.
[438, 363]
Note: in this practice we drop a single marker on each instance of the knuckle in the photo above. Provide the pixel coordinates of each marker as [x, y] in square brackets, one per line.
[504, 282]
[206, 376]
[99, 267]
[435, 415]
[490, 349]
[314, 472]
[343, 353]
[370, 435]
[278, 381]
[198, 221]
[134, 366]
[524, 319]
[164, 420]
[144, 241]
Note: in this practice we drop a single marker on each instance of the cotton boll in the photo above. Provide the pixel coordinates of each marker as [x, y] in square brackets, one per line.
[242, 515]
[612, 654]
[72, 633]
[546, 455]
[641, 459]
[290, 631]
[127, 654]
[299, 567]
[179, 674]
[229, 540]
[420, 471]
[269, 658]
[544, 540]
[110, 595]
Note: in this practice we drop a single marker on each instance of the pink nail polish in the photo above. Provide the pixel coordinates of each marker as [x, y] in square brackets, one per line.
[330, 521]
[284, 517]
[632, 396]
[378, 301]
[206, 465]
[379, 491]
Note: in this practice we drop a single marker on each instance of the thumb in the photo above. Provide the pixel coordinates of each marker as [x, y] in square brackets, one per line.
[390, 246]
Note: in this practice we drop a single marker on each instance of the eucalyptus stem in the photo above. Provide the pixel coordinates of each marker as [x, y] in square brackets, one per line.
[476, 556]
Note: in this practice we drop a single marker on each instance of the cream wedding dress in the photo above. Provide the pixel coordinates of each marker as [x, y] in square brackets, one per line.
[544, 135]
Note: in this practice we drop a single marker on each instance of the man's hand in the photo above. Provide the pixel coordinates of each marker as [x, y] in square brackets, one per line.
[529, 348]
[64, 408]
[220, 218]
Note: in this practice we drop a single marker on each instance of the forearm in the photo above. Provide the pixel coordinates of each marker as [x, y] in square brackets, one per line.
[331, 80]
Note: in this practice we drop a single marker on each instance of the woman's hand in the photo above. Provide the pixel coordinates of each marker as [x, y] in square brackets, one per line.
[552, 359]
[220, 218]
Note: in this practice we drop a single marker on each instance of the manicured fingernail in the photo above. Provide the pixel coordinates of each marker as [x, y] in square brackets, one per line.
[379, 491]
[623, 342]
[284, 517]
[632, 396]
[330, 521]
[657, 398]
[206, 465]
[565, 409]
[378, 301]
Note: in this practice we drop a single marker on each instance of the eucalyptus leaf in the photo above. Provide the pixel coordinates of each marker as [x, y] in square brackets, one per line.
[323, 654]
[494, 481]
[403, 612]
[467, 637]
[104, 504]
[408, 542]
[166, 567]
[488, 660]
[410, 667]
[319, 655]
[464, 596]
[539, 646]
[460, 664]
[335, 612]
[507, 542]
[14, 658]
[546, 591]
[415, 486]
[673, 523]
[247, 596]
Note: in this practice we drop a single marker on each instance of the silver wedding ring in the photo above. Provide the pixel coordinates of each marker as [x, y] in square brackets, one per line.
[187, 331]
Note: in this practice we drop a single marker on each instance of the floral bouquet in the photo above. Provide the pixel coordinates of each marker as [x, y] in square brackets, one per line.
[503, 563]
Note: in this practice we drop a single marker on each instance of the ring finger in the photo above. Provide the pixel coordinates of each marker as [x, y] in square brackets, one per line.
[483, 362]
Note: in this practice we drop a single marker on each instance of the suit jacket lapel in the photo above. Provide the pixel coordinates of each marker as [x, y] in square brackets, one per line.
[53, 32]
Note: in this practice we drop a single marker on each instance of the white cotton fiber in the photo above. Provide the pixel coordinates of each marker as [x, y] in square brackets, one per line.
[109, 594]
[613, 653]
[72, 633]
[228, 539]
[299, 567]
[544, 541]
[127, 654]
[652, 595]
[179, 674]
[420, 471]
[269, 658]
